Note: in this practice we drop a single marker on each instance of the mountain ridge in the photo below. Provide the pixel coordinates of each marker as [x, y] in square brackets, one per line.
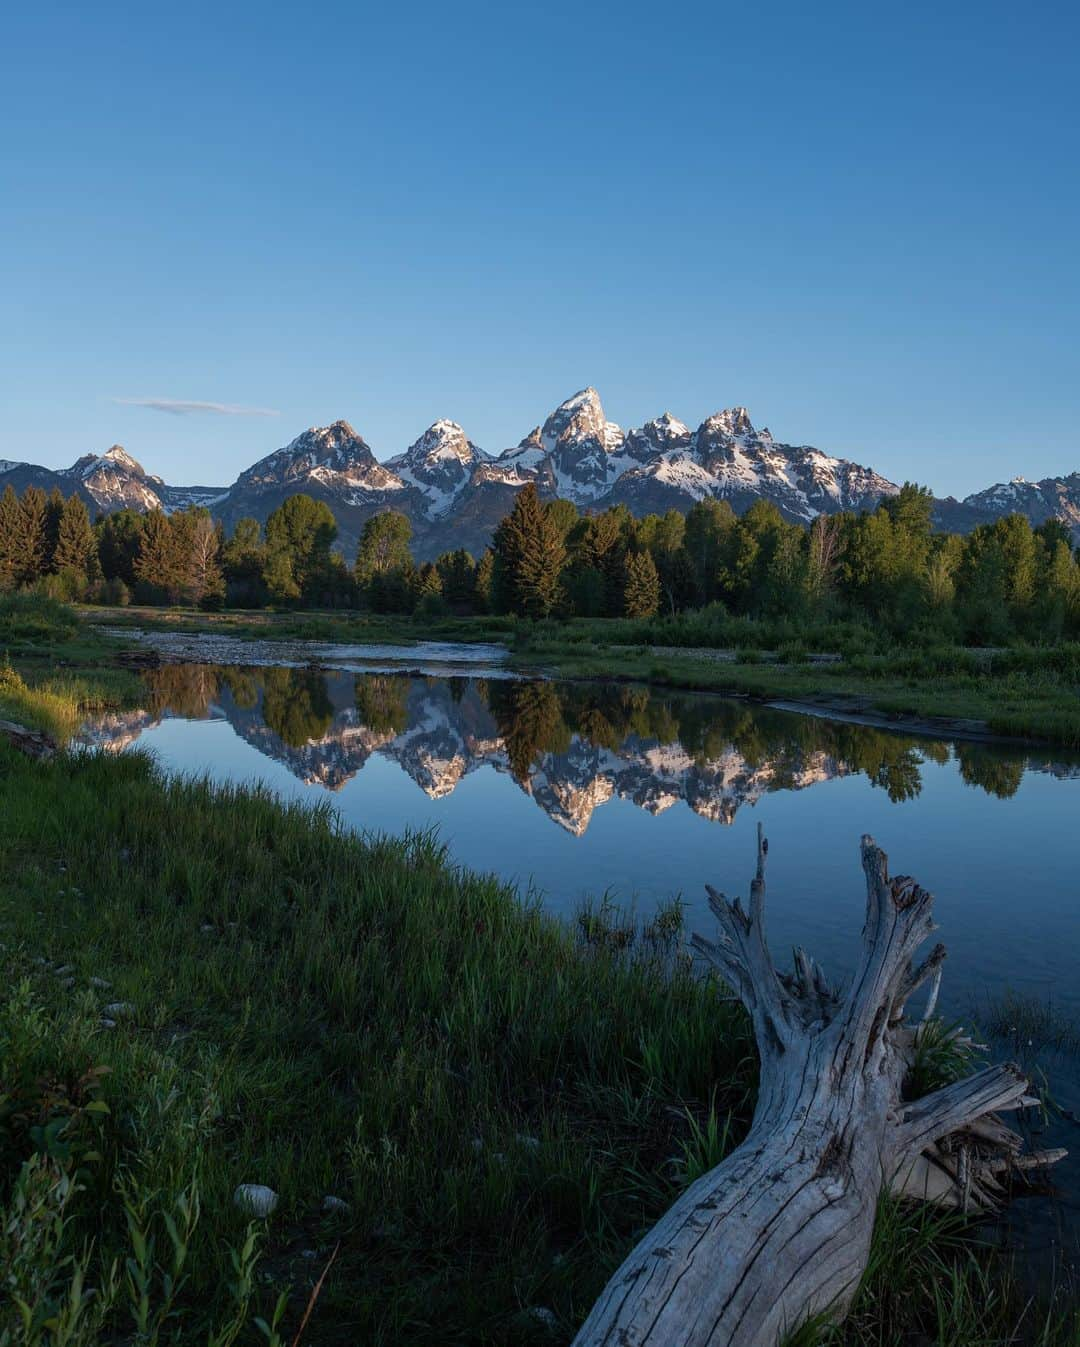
[455, 493]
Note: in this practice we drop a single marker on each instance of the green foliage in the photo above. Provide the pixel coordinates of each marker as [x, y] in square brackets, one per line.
[530, 551]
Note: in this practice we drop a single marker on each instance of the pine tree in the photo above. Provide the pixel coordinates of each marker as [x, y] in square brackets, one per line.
[54, 513]
[485, 581]
[157, 564]
[457, 570]
[10, 527]
[75, 548]
[32, 537]
[531, 553]
[641, 595]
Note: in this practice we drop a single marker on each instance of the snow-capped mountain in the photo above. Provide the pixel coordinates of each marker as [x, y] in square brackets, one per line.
[1052, 498]
[455, 493]
[439, 464]
[108, 482]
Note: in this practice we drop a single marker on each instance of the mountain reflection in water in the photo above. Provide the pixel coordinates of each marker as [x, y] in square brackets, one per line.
[570, 747]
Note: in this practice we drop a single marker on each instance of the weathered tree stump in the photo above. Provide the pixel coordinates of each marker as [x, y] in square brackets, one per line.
[34, 743]
[780, 1231]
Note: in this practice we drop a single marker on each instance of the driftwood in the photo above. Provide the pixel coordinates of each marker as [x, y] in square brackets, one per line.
[34, 743]
[780, 1231]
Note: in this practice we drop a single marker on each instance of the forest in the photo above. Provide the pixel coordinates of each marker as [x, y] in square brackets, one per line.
[885, 568]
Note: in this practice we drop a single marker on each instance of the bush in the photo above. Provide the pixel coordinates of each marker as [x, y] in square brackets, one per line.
[35, 619]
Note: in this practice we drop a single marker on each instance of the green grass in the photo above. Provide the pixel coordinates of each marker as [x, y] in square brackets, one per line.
[504, 1102]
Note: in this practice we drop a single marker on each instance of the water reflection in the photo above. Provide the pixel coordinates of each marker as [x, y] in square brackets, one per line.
[570, 747]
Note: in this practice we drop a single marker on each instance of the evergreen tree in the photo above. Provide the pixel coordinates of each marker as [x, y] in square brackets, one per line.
[10, 528]
[119, 538]
[485, 582]
[531, 552]
[75, 548]
[159, 565]
[31, 544]
[54, 513]
[641, 594]
[457, 570]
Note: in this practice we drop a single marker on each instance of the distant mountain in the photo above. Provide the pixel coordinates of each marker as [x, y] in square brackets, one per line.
[455, 493]
[109, 481]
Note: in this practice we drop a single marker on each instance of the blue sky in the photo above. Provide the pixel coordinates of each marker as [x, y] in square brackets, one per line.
[858, 220]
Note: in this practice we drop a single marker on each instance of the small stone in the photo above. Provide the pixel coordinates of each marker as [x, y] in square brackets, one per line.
[63, 970]
[100, 984]
[530, 1143]
[107, 1023]
[256, 1199]
[544, 1316]
[477, 1144]
[207, 928]
[67, 984]
[122, 1010]
[334, 1206]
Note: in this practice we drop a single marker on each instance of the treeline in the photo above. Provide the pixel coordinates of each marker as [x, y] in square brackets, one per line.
[885, 566]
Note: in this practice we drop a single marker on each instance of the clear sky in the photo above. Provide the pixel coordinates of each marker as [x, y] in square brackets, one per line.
[859, 220]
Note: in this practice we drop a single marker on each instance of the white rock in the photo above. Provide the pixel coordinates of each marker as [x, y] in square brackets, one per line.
[106, 1023]
[100, 984]
[256, 1199]
[544, 1316]
[121, 1010]
[334, 1206]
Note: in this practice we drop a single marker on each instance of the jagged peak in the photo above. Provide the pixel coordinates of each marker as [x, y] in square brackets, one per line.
[443, 439]
[116, 456]
[585, 397]
[333, 435]
[731, 421]
[666, 426]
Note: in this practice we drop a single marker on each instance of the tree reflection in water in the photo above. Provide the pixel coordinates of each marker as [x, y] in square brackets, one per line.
[533, 725]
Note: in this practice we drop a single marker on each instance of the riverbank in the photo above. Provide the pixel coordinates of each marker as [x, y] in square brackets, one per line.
[1025, 694]
[56, 670]
[211, 989]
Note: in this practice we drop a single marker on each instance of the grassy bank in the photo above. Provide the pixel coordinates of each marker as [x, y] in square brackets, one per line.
[54, 669]
[207, 988]
[1024, 692]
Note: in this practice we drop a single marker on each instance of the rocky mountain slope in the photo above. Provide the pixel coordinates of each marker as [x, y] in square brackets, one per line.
[455, 493]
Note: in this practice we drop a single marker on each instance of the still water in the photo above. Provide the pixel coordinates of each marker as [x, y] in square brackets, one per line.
[578, 792]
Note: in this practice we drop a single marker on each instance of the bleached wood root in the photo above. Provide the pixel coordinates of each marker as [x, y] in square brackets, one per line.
[34, 743]
[780, 1231]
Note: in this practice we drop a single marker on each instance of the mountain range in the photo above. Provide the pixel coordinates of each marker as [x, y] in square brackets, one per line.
[455, 493]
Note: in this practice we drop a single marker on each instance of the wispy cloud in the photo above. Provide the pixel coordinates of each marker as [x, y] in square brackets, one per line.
[178, 407]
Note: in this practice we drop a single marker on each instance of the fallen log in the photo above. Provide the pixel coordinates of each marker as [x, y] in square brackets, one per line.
[34, 743]
[779, 1233]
